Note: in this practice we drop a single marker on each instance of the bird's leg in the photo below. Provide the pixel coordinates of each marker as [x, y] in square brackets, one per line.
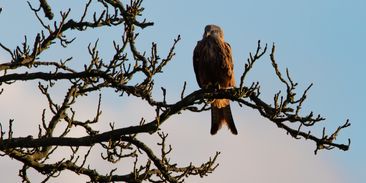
[217, 86]
[211, 87]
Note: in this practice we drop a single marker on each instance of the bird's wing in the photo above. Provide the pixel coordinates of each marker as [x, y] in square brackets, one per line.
[224, 65]
[197, 64]
[230, 65]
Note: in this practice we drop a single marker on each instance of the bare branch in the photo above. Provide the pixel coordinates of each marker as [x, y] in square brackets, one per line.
[129, 71]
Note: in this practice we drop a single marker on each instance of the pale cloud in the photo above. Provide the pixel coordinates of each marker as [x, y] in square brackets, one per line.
[260, 153]
[23, 103]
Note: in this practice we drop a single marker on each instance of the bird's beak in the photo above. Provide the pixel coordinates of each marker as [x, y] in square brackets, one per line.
[207, 34]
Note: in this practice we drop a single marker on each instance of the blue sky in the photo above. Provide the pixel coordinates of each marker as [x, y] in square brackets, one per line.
[321, 42]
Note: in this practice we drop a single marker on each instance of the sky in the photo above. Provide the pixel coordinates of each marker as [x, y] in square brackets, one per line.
[320, 42]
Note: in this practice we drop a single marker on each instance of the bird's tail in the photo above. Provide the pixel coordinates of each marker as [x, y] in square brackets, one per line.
[221, 114]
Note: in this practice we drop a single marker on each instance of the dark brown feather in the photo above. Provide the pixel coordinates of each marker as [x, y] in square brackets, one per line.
[221, 116]
[213, 66]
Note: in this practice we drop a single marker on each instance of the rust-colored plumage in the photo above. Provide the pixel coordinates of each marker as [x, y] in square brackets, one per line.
[213, 65]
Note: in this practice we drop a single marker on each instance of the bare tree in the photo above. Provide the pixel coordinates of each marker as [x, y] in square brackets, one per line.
[130, 72]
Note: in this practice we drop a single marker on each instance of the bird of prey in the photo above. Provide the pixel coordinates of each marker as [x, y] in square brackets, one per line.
[213, 66]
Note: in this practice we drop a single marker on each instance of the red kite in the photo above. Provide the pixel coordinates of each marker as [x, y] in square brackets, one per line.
[213, 65]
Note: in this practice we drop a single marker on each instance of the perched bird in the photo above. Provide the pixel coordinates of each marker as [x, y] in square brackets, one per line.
[213, 66]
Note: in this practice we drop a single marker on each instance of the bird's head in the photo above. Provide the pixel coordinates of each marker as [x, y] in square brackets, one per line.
[213, 31]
